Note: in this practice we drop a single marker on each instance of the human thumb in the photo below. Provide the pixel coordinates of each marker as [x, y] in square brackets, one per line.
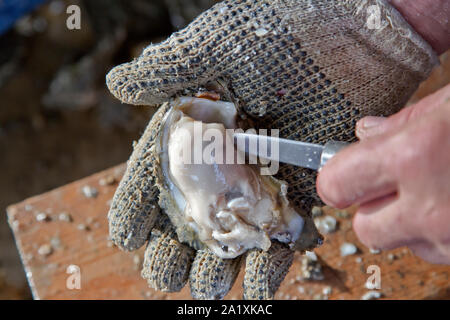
[369, 127]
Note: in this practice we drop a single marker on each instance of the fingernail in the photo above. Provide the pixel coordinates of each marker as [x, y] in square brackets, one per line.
[370, 122]
[368, 126]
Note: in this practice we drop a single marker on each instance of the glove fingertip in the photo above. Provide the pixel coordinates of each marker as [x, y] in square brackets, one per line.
[265, 270]
[212, 277]
[167, 261]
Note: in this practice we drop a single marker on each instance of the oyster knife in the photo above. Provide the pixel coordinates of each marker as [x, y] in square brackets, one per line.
[298, 153]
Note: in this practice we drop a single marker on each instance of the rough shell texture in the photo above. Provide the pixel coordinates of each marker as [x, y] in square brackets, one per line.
[168, 263]
[308, 240]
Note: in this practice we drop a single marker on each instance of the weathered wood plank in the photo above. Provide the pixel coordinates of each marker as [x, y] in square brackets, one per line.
[49, 244]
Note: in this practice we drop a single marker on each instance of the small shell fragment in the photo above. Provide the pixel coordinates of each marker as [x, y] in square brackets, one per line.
[311, 269]
[41, 217]
[372, 295]
[311, 255]
[327, 290]
[89, 192]
[106, 181]
[64, 216]
[348, 249]
[316, 212]
[83, 227]
[16, 225]
[326, 224]
[45, 250]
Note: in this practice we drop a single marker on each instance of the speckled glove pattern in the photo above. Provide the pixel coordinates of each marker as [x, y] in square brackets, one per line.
[308, 68]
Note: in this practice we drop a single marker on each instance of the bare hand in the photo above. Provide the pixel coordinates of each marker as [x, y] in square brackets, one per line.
[399, 174]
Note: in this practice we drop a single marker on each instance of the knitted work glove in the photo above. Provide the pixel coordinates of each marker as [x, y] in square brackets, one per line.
[308, 68]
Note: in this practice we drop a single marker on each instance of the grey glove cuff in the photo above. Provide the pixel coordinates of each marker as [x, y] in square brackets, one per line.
[376, 24]
[381, 23]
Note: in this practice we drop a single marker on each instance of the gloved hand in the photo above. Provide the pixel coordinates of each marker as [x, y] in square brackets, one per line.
[308, 68]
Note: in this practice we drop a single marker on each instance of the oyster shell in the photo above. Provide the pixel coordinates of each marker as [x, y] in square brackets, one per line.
[228, 208]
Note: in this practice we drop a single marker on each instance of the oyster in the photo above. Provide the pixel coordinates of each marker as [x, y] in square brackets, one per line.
[228, 207]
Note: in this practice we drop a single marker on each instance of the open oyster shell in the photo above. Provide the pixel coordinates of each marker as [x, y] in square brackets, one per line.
[229, 208]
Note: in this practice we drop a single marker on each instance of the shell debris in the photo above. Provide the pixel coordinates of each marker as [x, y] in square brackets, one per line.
[372, 295]
[16, 225]
[348, 249]
[107, 181]
[326, 224]
[45, 250]
[83, 227]
[89, 192]
[42, 217]
[64, 216]
[316, 212]
[391, 257]
[311, 269]
[327, 290]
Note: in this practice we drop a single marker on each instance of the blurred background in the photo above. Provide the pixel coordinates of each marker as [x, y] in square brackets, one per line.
[58, 122]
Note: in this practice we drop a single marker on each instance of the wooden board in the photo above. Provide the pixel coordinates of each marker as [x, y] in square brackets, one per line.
[65, 227]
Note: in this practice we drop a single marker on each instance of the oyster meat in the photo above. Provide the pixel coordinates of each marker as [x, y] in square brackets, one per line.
[226, 206]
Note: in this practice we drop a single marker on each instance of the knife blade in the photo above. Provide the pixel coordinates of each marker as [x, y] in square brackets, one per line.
[298, 153]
